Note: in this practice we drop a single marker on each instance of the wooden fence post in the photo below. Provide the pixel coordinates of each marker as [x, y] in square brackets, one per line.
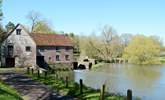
[28, 70]
[129, 94]
[81, 86]
[32, 71]
[45, 74]
[102, 92]
[57, 76]
[66, 81]
[38, 73]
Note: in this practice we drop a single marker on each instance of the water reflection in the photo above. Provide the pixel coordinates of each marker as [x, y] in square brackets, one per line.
[147, 82]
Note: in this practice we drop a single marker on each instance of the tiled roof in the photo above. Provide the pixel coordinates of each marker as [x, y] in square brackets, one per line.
[51, 39]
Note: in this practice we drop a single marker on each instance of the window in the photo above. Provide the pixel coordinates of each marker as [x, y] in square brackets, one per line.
[67, 57]
[58, 49]
[18, 31]
[28, 48]
[50, 58]
[57, 57]
[42, 50]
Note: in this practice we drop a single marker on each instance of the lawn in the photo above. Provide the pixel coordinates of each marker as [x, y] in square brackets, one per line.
[8, 93]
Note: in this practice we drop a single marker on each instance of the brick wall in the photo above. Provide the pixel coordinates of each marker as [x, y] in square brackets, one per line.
[50, 53]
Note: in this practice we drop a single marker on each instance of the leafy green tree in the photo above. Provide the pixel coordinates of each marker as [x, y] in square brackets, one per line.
[42, 27]
[9, 26]
[2, 31]
[142, 50]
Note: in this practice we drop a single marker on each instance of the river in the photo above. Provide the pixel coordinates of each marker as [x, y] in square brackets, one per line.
[146, 82]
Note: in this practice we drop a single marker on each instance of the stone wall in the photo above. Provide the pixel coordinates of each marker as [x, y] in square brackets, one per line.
[19, 42]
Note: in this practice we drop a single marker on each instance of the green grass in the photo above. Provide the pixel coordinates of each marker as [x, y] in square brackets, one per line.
[8, 93]
[11, 70]
[59, 85]
[162, 59]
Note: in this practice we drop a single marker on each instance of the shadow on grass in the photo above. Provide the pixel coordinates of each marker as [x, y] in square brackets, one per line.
[6, 94]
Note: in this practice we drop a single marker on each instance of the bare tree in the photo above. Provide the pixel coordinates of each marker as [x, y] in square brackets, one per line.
[33, 17]
[125, 38]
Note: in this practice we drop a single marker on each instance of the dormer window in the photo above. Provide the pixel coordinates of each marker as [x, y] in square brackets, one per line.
[18, 31]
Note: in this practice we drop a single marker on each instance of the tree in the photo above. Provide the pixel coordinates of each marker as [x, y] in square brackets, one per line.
[1, 14]
[108, 45]
[142, 50]
[37, 24]
[75, 40]
[9, 26]
[125, 38]
[33, 17]
[86, 46]
[42, 27]
[2, 31]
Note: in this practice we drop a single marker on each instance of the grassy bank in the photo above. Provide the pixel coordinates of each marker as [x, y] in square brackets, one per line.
[59, 84]
[97, 65]
[8, 93]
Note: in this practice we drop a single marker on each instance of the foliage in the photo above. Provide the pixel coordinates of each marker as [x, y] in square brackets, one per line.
[60, 67]
[2, 34]
[162, 59]
[75, 40]
[142, 50]
[85, 46]
[37, 24]
[9, 26]
[1, 14]
[8, 93]
[125, 39]
[106, 46]
[42, 27]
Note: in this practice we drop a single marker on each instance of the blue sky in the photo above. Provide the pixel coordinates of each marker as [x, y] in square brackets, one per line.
[84, 16]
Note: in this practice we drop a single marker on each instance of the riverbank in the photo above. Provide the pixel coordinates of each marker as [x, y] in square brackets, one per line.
[97, 65]
[8, 93]
[59, 84]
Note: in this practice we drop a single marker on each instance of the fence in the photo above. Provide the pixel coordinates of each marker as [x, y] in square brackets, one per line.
[81, 86]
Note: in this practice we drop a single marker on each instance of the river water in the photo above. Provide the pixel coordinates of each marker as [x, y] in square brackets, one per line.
[146, 82]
